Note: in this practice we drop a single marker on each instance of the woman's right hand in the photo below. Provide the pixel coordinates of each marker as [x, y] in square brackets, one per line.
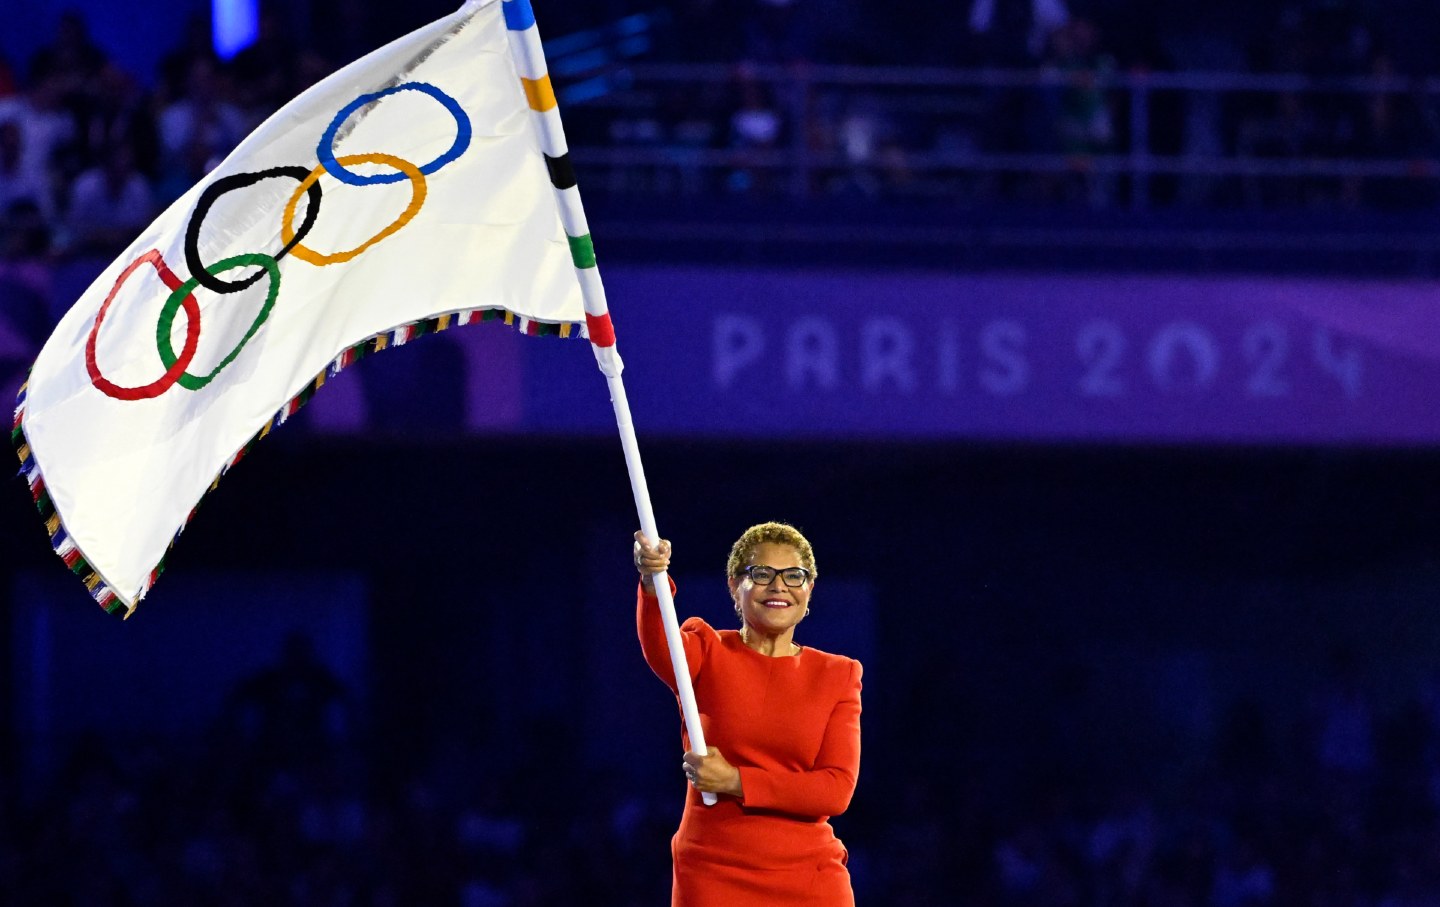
[650, 558]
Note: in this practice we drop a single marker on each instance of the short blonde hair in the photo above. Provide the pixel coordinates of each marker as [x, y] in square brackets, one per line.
[775, 534]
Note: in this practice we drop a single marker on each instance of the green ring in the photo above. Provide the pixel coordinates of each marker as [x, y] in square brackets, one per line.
[177, 298]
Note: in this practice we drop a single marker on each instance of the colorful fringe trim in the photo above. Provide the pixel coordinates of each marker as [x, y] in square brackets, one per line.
[75, 560]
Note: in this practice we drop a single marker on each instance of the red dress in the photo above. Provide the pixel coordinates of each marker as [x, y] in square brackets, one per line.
[792, 727]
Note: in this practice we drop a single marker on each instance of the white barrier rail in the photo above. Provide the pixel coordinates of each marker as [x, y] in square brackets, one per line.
[932, 129]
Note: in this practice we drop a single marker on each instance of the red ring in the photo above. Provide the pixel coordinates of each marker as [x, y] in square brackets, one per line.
[192, 335]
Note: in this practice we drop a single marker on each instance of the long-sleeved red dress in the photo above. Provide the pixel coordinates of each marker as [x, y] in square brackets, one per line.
[791, 725]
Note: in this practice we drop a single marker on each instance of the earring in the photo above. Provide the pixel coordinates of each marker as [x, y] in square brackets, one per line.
[807, 611]
[738, 612]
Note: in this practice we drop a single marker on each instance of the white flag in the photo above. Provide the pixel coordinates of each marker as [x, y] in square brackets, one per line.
[406, 193]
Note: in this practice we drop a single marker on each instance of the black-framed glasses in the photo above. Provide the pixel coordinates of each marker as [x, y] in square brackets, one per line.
[762, 575]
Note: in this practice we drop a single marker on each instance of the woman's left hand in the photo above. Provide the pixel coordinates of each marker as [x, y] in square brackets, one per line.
[712, 774]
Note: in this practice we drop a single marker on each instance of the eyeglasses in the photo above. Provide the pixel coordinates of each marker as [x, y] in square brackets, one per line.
[761, 575]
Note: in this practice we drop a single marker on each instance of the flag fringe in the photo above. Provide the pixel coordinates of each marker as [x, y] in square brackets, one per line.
[70, 553]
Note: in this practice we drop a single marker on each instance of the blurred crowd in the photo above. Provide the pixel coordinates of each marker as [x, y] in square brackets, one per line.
[1333, 806]
[287, 798]
[291, 797]
[89, 152]
[920, 141]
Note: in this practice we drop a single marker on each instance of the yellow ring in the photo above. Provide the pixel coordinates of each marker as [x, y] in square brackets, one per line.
[417, 199]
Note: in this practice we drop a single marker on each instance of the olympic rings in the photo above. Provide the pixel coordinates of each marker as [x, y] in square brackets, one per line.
[176, 365]
[212, 194]
[325, 152]
[167, 315]
[417, 198]
[182, 293]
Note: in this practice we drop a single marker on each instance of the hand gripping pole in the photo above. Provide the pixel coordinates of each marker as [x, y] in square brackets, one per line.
[662, 581]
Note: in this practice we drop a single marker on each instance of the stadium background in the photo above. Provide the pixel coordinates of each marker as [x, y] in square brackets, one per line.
[1091, 344]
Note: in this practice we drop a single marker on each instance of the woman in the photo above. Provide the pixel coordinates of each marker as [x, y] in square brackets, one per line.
[782, 724]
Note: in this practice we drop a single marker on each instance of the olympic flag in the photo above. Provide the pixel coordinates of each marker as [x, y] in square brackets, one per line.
[407, 193]
[420, 202]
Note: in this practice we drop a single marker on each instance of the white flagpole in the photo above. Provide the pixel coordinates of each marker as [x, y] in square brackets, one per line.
[662, 581]
[529, 58]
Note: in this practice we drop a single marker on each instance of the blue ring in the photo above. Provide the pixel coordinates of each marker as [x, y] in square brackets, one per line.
[326, 150]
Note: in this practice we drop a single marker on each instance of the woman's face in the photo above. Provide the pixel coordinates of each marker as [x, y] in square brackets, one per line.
[776, 607]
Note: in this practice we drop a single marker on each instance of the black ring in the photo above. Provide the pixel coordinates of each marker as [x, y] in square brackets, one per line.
[211, 195]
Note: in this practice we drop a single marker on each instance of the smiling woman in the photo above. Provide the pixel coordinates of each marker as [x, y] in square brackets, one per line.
[783, 721]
